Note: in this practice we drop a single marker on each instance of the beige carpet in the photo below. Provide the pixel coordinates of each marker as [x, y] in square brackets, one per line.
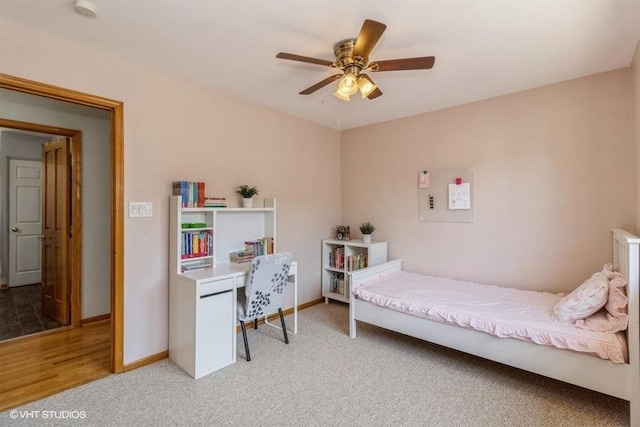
[324, 378]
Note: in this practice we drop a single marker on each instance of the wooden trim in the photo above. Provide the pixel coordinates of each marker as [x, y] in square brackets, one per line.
[34, 127]
[76, 229]
[307, 305]
[42, 89]
[96, 319]
[117, 220]
[117, 239]
[146, 361]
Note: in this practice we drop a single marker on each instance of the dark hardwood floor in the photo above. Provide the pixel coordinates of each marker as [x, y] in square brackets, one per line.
[20, 312]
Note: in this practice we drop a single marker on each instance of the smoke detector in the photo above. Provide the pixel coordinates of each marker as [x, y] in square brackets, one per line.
[85, 8]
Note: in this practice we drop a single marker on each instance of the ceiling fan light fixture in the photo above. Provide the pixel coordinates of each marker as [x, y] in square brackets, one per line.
[339, 94]
[348, 84]
[366, 86]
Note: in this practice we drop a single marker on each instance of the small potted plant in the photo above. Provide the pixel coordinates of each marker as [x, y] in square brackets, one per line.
[247, 193]
[366, 228]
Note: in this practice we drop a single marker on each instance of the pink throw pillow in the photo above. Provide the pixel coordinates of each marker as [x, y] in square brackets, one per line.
[617, 303]
[613, 318]
[602, 321]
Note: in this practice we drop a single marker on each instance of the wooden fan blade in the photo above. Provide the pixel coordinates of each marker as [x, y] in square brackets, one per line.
[369, 35]
[321, 84]
[422, 63]
[376, 93]
[292, 57]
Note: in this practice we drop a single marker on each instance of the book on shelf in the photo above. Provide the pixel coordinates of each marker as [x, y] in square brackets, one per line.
[196, 244]
[191, 193]
[243, 255]
[195, 266]
[336, 258]
[215, 202]
[337, 284]
[264, 246]
[356, 262]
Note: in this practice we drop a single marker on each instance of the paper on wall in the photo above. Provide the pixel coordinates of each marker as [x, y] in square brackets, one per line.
[460, 196]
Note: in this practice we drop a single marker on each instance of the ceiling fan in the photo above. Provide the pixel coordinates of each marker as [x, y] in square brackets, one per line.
[352, 58]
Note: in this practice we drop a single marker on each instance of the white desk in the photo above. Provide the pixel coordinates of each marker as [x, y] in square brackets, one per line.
[240, 272]
[202, 316]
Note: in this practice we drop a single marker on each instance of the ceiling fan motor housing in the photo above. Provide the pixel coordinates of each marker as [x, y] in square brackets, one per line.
[343, 51]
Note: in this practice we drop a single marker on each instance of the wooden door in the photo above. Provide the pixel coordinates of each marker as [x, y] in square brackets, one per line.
[25, 221]
[56, 228]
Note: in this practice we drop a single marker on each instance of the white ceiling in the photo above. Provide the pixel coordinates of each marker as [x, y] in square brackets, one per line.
[483, 48]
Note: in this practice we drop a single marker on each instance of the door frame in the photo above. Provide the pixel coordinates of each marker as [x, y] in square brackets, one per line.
[117, 194]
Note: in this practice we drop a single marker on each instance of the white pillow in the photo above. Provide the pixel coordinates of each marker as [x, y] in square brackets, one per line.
[585, 300]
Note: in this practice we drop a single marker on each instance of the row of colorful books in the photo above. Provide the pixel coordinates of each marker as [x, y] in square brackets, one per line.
[337, 284]
[356, 262]
[191, 193]
[196, 244]
[337, 259]
[253, 248]
[262, 246]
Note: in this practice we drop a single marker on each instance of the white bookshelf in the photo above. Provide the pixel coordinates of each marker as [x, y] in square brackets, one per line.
[335, 280]
[202, 303]
[227, 228]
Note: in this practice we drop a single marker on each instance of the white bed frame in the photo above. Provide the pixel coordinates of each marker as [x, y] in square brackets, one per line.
[621, 380]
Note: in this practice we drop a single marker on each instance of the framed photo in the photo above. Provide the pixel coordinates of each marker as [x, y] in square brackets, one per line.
[342, 232]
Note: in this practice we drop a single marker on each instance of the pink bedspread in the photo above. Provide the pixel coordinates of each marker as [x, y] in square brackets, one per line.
[499, 311]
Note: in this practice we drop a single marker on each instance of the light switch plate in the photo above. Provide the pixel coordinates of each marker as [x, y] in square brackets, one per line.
[140, 209]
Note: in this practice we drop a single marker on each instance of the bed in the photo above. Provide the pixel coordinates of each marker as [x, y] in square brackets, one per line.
[621, 380]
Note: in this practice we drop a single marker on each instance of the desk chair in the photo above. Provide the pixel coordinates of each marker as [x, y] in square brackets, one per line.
[263, 292]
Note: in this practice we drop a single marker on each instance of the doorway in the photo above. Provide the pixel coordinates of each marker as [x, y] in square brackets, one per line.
[21, 311]
[115, 108]
[41, 205]
[44, 228]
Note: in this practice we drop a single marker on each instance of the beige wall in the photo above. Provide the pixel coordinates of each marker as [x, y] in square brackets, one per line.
[176, 131]
[635, 76]
[553, 171]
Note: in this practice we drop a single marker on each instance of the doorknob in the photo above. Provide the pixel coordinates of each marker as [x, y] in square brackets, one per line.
[15, 229]
[43, 237]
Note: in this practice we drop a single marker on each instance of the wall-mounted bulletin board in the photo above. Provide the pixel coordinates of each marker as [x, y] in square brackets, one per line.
[445, 195]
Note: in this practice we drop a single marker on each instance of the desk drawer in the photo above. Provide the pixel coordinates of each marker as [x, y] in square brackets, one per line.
[215, 286]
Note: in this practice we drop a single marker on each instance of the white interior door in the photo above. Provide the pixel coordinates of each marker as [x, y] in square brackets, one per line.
[25, 221]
